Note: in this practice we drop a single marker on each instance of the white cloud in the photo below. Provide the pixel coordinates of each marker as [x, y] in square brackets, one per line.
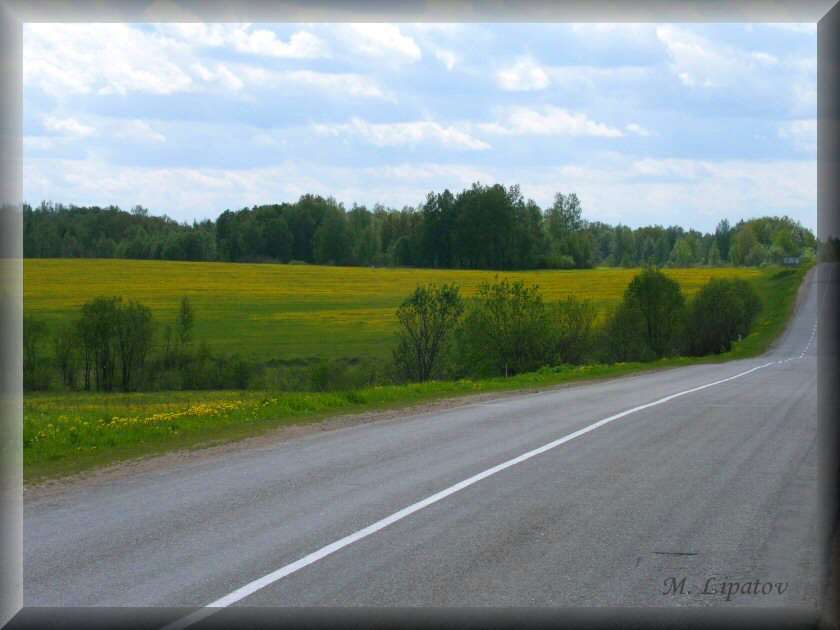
[638, 130]
[187, 193]
[763, 57]
[804, 96]
[462, 173]
[589, 75]
[198, 33]
[693, 60]
[802, 134]
[67, 127]
[119, 59]
[338, 84]
[243, 38]
[108, 58]
[697, 61]
[402, 134]
[615, 189]
[524, 75]
[140, 131]
[42, 143]
[221, 75]
[384, 42]
[700, 194]
[549, 121]
[447, 57]
[302, 45]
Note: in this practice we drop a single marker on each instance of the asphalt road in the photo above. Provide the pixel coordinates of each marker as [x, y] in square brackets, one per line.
[716, 484]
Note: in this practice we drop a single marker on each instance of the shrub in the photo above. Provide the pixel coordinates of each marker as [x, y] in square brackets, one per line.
[572, 328]
[427, 320]
[722, 311]
[506, 330]
[622, 336]
[656, 301]
[35, 373]
[65, 353]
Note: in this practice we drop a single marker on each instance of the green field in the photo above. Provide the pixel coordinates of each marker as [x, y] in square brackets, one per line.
[292, 311]
[297, 311]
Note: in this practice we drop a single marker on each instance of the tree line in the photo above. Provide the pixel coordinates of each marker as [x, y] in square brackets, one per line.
[508, 328]
[108, 346]
[481, 227]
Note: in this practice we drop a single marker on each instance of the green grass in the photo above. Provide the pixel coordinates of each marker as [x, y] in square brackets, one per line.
[72, 432]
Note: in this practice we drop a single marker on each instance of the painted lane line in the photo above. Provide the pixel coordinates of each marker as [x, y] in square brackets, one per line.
[274, 576]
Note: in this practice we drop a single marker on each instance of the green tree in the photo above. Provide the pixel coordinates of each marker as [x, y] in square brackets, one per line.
[278, 239]
[83, 333]
[622, 336]
[784, 241]
[331, 239]
[65, 352]
[744, 242]
[427, 320]
[184, 325]
[572, 327]
[682, 255]
[759, 254]
[508, 327]
[659, 301]
[134, 331]
[722, 311]
[486, 226]
[714, 254]
[34, 335]
[98, 331]
[564, 216]
[723, 233]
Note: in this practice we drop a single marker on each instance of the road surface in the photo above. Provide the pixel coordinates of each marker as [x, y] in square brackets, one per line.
[716, 485]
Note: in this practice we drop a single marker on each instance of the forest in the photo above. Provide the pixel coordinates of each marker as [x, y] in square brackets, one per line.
[481, 227]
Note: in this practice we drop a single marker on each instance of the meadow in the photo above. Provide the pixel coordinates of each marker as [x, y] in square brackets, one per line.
[289, 312]
[294, 311]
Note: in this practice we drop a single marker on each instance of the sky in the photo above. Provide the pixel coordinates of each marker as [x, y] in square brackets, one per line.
[670, 124]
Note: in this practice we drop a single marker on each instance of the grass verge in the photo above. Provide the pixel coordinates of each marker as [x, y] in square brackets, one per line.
[68, 433]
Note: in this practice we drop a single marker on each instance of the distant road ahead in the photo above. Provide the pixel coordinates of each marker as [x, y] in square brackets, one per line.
[716, 484]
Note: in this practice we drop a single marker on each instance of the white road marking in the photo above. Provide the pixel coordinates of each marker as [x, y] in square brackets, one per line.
[313, 557]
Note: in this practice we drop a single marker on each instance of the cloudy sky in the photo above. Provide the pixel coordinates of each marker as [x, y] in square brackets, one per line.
[648, 123]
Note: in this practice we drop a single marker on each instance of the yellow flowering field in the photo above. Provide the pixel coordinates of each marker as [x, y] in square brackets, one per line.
[292, 311]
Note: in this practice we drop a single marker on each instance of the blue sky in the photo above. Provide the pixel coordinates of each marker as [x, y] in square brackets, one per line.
[648, 123]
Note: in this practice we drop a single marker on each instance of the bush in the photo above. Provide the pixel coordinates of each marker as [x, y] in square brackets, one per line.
[427, 320]
[572, 327]
[654, 301]
[239, 372]
[507, 330]
[322, 375]
[721, 312]
[622, 337]
[367, 373]
[35, 335]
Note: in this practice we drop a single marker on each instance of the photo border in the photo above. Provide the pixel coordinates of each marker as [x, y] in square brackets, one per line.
[13, 13]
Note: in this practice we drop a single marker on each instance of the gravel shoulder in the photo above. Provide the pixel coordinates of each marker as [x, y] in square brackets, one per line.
[120, 470]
